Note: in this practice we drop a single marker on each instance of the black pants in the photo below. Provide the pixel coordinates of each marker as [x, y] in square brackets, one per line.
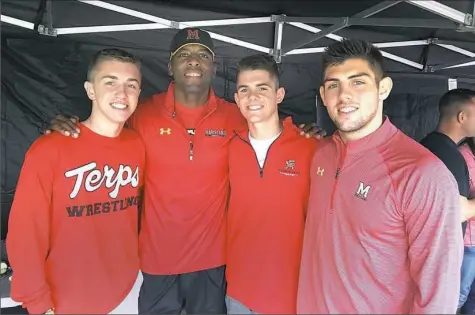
[200, 292]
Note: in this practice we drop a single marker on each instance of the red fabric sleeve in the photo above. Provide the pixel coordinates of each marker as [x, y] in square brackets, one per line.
[29, 228]
[431, 205]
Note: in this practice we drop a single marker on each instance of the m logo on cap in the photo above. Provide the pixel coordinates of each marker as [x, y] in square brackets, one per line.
[193, 34]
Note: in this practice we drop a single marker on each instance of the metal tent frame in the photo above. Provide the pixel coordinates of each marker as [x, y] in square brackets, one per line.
[454, 20]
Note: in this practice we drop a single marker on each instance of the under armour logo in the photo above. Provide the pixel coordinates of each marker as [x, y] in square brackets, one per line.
[362, 191]
[165, 131]
[193, 34]
[320, 171]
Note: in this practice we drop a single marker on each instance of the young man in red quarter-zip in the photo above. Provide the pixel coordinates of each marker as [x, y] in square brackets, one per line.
[269, 172]
[382, 234]
[186, 132]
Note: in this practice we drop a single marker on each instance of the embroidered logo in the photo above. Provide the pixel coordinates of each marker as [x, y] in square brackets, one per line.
[289, 169]
[320, 171]
[193, 34]
[362, 191]
[165, 131]
[215, 133]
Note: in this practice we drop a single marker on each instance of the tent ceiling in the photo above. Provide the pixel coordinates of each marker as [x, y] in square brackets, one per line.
[258, 27]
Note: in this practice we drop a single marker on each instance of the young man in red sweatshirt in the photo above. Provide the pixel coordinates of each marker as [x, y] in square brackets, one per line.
[186, 131]
[382, 234]
[73, 226]
[269, 173]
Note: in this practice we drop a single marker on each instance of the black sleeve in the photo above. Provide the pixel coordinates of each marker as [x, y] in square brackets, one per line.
[458, 167]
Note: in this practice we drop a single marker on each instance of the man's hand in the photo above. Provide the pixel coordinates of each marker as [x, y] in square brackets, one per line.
[311, 130]
[64, 125]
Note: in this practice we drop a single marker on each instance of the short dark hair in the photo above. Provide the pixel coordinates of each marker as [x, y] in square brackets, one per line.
[259, 62]
[339, 52]
[111, 54]
[453, 101]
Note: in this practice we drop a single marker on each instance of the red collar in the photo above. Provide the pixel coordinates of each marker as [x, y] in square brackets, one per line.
[170, 100]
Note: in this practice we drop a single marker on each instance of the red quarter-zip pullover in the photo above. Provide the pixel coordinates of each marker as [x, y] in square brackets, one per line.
[186, 184]
[266, 220]
[383, 229]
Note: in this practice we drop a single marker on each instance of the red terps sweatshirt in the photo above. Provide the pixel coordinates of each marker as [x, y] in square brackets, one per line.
[73, 226]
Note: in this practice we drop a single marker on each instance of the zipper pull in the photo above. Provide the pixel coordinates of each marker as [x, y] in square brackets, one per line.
[337, 173]
[191, 150]
[261, 172]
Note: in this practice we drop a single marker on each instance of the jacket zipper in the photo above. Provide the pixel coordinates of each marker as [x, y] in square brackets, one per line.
[261, 169]
[190, 137]
[337, 176]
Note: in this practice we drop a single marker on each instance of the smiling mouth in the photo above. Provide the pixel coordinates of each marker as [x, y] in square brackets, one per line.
[255, 107]
[193, 75]
[347, 109]
[120, 106]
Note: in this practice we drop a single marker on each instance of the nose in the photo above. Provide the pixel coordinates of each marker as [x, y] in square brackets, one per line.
[345, 94]
[120, 90]
[193, 61]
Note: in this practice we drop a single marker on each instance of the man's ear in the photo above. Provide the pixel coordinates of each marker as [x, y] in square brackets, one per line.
[89, 87]
[461, 116]
[170, 71]
[385, 87]
[322, 95]
[280, 95]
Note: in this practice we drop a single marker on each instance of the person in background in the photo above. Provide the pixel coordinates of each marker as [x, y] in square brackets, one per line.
[457, 121]
[382, 234]
[73, 227]
[467, 148]
[186, 131]
[269, 171]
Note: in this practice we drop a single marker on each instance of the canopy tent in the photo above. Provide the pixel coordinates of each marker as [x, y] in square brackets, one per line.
[429, 48]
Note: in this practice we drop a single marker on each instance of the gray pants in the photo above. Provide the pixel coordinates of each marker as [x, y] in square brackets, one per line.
[236, 307]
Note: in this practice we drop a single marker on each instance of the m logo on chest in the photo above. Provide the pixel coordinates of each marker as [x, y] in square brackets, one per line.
[362, 191]
[91, 179]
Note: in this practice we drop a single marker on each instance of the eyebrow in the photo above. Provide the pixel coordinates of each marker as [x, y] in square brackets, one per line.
[258, 85]
[361, 74]
[113, 77]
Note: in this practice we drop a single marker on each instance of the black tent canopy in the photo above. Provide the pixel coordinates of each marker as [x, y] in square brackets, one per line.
[429, 48]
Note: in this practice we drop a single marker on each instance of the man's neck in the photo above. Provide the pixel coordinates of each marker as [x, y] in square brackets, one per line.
[191, 99]
[265, 130]
[106, 129]
[450, 132]
[374, 125]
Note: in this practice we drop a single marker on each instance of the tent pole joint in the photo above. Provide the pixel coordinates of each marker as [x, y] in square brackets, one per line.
[44, 30]
[428, 69]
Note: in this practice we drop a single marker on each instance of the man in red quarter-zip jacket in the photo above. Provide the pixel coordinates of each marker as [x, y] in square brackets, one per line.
[383, 228]
[269, 172]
